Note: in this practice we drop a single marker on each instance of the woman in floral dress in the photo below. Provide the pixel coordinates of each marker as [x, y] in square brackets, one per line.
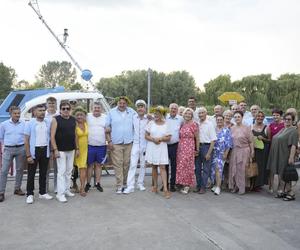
[188, 148]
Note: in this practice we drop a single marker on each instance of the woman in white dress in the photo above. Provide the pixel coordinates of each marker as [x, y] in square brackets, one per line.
[157, 134]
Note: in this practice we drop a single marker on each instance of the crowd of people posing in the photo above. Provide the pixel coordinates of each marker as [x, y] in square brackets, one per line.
[189, 149]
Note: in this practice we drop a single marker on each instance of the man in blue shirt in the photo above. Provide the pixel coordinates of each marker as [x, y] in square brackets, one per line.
[12, 137]
[119, 125]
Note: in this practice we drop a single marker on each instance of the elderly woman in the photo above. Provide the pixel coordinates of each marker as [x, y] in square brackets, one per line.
[282, 153]
[157, 135]
[180, 110]
[277, 123]
[221, 149]
[188, 148]
[82, 142]
[241, 154]
[228, 118]
[262, 139]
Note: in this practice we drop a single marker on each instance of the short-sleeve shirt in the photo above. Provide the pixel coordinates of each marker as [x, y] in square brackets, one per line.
[96, 130]
[207, 132]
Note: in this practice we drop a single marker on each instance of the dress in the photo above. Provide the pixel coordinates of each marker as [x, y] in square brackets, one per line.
[80, 161]
[240, 156]
[185, 168]
[223, 143]
[280, 150]
[261, 157]
[157, 154]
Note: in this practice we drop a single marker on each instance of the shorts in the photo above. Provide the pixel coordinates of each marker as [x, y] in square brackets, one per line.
[96, 154]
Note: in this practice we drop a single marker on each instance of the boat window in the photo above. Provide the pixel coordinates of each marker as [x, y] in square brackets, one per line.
[16, 101]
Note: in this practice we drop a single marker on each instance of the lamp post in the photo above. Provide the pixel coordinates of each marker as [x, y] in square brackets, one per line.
[149, 89]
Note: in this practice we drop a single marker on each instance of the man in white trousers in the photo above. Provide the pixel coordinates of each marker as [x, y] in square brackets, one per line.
[138, 149]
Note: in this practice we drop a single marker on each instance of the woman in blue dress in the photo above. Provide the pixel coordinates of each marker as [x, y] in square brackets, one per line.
[221, 149]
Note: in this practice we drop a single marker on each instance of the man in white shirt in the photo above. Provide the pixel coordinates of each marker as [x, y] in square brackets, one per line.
[218, 110]
[207, 135]
[138, 148]
[192, 105]
[174, 122]
[96, 145]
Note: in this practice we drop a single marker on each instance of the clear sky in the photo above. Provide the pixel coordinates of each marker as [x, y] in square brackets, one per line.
[204, 37]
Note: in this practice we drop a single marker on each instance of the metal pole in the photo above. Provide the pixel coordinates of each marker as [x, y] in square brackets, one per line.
[149, 89]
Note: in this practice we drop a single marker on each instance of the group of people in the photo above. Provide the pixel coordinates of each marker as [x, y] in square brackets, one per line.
[188, 148]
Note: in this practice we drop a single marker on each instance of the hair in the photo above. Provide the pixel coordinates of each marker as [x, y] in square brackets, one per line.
[226, 112]
[173, 104]
[79, 109]
[238, 112]
[219, 116]
[260, 112]
[277, 111]
[159, 109]
[64, 103]
[186, 110]
[125, 98]
[289, 114]
[40, 106]
[192, 97]
[51, 99]
[202, 109]
[13, 108]
[97, 104]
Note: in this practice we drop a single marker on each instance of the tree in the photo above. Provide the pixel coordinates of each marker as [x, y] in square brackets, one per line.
[7, 78]
[55, 73]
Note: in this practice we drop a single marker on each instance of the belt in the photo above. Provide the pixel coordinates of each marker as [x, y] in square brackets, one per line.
[14, 146]
[205, 143]
[41, 147]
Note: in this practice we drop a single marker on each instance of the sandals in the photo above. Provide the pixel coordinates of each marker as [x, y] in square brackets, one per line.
[167, 194]
[154, 189]
[289, 197]
[280, 195]
[82, 193]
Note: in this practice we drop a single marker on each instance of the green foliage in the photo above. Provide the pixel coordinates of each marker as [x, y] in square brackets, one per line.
[7, 77]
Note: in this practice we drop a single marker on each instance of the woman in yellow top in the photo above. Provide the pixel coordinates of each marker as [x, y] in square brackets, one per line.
[82, 142]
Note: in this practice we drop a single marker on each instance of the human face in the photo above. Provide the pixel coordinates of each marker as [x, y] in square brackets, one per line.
[218, 110]
[96, 110]
[228, 117]
[243, 106]
[277, 117]
[157, 116]
[220, 122]
[15, 115]
[238, 119]
[192, 104]
[202, 115]
[65, 110]
[188, 115]
[80, 117]
[288, 121]
[259, 118]
[122, 105]
[40, 113]
[254, 110]
[173, 110]
[51, 105]
[235, 108]
[141, 110]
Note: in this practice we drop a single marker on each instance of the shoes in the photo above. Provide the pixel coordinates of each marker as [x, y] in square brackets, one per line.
[128, 191]
[196, 190]
[161, 189]
[61, 198]
[172, 189]
[69, 193]
[45, 196]
[75, 187]
[201, 191]
[2, 197]
[167, 194]
[217, 191]
[29, 199]
[213, 189]
[99, 188]
[119, 190]
[241, 193]
[185, 190]
[141, 187]
[19, 192]
[87, 187]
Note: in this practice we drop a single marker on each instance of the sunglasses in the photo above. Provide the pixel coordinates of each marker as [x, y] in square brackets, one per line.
[63, 109]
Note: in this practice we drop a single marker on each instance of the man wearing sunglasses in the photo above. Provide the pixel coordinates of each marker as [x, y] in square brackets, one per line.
[63, 142]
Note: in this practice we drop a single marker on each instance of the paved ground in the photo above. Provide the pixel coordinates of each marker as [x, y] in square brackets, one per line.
[143, 220]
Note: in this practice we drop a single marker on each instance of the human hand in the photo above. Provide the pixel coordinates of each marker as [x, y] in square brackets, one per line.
[110, 146]
[30, 160]
[207, 157]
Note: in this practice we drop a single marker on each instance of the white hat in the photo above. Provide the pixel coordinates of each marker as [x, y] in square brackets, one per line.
[140, 102]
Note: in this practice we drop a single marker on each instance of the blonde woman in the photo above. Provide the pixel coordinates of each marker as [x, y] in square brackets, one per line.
[157, 135]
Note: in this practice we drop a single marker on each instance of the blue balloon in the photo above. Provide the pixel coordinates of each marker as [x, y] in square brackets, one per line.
[86, 74]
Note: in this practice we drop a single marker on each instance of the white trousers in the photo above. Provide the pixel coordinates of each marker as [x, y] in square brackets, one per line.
[136, 154]
[64, 171]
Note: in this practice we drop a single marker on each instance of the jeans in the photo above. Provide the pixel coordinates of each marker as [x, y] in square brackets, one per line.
[41, 160]
[172, 151]
[10, 153]
[202, 167]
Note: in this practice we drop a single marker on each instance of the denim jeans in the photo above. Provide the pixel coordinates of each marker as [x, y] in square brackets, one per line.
[202, 167]
[172, 151]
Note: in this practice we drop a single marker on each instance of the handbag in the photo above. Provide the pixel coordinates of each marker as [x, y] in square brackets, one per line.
[290, 173]
[251, 169]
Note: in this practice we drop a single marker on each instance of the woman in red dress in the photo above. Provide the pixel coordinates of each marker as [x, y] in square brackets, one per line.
[188, 148]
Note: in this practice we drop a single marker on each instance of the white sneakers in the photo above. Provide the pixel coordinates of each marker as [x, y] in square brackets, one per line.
[61, 198]
[213, 188]
[141, 187]
[45, 196]
[185, 190]
[119, 190]
[128, 190]
[29, 199]
[217, 191]
[69, 193]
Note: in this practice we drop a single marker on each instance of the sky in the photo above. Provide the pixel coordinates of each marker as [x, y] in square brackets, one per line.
[204, 37]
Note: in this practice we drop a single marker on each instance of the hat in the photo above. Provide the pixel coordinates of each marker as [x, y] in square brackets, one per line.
[140, 102]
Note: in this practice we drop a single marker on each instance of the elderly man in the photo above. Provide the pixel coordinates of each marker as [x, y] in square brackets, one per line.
[12, 137]
[138, 149]
[247, 115]
[119, 125]
[207, 135]
[174, 122]
[218, 110]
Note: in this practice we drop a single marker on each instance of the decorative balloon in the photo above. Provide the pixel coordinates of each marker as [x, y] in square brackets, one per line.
[86, 74]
